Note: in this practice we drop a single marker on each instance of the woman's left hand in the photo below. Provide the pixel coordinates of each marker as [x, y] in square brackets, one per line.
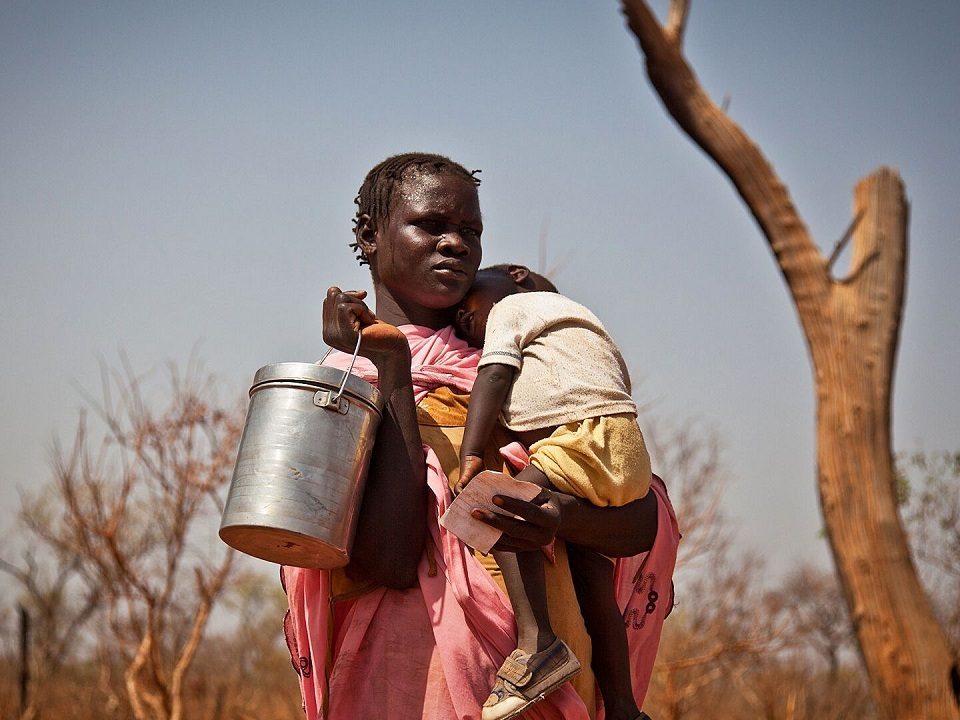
[538, 526]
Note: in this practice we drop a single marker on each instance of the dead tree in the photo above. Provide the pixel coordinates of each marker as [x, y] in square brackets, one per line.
[852, 327]
[131, 510]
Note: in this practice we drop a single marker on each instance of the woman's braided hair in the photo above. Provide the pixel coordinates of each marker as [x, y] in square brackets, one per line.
[376, 192]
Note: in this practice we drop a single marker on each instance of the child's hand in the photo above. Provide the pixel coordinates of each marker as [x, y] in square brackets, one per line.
[470, 466]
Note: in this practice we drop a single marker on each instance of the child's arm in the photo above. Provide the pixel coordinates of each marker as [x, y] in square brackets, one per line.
[489, 391]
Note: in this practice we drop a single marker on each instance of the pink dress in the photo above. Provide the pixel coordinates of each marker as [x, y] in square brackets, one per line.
[432, 651]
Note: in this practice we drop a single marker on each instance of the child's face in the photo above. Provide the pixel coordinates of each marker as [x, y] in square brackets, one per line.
[488, 289]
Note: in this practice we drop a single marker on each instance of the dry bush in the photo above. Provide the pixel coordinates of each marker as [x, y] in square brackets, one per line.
[733, 647]
[130, 517]
[930, 491]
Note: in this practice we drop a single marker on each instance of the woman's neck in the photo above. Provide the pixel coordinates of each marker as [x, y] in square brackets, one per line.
[390, 310]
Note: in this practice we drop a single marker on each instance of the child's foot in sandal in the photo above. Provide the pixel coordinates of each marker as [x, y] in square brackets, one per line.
[523, 679]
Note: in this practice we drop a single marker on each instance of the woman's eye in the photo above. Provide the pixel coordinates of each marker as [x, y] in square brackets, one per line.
[434, 227]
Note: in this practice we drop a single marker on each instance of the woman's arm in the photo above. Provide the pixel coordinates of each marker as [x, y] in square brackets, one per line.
[391, 528]
[614, 531]
[392, 525]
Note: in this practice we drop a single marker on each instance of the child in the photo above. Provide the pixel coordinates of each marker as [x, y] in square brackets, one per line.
[554, 376]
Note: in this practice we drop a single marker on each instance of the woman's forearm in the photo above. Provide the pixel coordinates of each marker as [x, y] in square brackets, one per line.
[392, 525]
[613, 531]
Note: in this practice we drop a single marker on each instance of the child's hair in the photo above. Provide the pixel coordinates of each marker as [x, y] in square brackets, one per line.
[541, 281]
[376, 192]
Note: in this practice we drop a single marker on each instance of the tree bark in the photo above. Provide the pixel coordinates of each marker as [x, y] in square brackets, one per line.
[853, 349]
[852, 328]
[27, 708]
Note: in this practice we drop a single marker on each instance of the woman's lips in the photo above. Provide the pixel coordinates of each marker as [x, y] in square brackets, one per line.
[452, 270]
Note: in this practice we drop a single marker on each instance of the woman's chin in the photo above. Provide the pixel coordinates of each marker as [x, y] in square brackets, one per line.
[453, 282]
[445, 294]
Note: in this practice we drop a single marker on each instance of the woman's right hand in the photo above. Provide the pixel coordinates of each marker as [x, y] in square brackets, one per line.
[345, 313]
[536, 523]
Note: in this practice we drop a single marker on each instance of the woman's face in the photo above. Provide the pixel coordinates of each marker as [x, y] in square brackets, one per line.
[425, 254]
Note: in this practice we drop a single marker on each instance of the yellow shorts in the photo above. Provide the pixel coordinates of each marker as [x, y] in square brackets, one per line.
[601, 459]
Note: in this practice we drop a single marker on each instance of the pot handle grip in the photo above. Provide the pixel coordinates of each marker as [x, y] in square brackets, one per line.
[326, 398]
[346, 374]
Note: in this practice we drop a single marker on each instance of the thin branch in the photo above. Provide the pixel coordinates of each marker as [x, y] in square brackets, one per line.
[738, 157]
[740, 646]
[559, 266]
[842, 242]
[132, 683]
[676, 23]
[542, 246]
[189, 650]
[22, 576]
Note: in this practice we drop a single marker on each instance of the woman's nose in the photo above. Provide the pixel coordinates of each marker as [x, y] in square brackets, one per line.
[452, 243]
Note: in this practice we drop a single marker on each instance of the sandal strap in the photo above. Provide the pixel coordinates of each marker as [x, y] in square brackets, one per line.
[515, 671]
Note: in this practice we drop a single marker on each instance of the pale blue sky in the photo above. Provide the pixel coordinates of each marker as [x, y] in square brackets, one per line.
[183, 174]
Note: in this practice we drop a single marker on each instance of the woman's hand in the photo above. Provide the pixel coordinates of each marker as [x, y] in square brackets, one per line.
[345, 313]
[538, 526]
[613, 531]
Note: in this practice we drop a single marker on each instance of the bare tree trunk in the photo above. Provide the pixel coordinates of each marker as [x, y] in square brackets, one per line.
[853, 348]
[27, 709]
[852, 329]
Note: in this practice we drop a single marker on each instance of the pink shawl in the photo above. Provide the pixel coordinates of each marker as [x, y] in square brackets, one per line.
[432, 651]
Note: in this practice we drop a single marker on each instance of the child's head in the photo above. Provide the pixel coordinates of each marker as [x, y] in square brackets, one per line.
[490, 286]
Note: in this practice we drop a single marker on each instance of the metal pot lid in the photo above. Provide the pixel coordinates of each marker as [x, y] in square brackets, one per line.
[316, 376]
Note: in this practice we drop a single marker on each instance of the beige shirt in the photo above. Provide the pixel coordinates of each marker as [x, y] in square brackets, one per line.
[568, 368]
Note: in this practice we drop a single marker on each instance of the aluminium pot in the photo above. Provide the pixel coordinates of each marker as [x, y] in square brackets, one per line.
[301, 466]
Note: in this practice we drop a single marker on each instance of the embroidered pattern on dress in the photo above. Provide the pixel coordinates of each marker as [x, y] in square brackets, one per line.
[643, 584]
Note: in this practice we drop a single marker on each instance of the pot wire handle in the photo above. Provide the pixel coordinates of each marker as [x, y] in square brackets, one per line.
[346, 375]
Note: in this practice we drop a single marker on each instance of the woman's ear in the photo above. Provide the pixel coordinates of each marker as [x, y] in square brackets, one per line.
[366, 235]
[519, 273]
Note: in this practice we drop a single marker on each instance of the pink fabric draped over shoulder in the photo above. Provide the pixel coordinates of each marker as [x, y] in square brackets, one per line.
[432, 651]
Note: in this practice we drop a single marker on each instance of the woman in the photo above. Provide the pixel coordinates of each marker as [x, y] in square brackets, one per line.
[416, 626]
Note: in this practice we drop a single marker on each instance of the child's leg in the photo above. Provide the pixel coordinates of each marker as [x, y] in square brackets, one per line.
[542, 662]
[523, 575]
[593, 581]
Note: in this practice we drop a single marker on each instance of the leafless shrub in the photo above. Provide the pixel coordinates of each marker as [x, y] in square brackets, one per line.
[127, 511]
[930, 490]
